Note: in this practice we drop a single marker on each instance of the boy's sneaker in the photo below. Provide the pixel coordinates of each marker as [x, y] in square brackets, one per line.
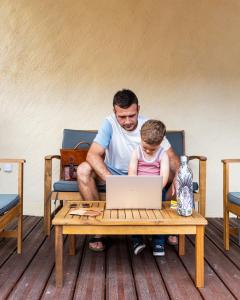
[138, 247]
[158, 250]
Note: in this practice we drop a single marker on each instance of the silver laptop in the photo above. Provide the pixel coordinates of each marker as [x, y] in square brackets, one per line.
[133, 192]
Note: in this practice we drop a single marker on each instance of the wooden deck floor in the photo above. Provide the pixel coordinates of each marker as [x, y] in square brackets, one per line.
[117, 274]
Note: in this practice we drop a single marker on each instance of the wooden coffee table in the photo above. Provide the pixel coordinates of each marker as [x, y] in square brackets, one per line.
[128, 222]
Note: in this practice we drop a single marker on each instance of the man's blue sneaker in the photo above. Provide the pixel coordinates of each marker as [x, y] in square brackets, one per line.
[158, 250]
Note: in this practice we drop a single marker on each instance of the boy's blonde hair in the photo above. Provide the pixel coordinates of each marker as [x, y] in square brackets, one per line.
[153, 132]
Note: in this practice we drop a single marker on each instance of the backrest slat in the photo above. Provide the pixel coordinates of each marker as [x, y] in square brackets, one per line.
[177, 141]
[71, 137]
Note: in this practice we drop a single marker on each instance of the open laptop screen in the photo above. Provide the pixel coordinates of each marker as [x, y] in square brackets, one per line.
[133, 192]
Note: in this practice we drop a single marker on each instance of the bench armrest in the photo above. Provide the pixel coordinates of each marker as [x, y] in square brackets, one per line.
[48, 175]
[20, 163]
[202, 161]
[230, 160]
[12, 160]
[50, 157]
[199, 157]
[226, 178]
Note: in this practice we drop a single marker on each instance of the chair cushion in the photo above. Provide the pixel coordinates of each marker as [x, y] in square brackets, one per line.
[7, 201]
[71, 186]
[234, 197]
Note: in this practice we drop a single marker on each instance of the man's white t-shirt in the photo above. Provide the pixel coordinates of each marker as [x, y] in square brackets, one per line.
[120, 143]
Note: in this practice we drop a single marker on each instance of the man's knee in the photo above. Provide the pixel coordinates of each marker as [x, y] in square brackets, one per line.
[84, 171]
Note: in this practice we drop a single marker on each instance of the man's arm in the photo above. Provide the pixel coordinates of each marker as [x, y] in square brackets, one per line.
[164, 170]
[174, 163]
[95, 158]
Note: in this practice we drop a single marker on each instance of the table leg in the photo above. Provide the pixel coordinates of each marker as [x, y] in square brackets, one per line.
[59, 255]
[72, 244]
[181, 245]
[199, 249]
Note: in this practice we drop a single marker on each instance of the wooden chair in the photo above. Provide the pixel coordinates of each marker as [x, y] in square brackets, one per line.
[11, 206]
[231, 204]
[68, 190]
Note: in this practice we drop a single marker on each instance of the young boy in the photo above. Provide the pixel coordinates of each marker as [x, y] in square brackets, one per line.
[149, 158]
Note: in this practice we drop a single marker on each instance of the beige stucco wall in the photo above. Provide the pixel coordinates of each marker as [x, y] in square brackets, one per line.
[62, 61]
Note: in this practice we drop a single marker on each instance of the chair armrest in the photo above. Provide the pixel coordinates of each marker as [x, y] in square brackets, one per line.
[230, 160]
[199, 157]
[50, 157]
[48, 176]
[20, 163]
[12, 160]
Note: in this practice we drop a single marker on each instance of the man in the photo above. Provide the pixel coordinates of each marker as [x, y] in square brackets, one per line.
[111, 150]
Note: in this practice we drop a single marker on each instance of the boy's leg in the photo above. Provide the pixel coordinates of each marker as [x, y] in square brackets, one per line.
[158, 243]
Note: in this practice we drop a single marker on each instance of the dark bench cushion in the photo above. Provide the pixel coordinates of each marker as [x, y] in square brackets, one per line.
[71, 186]
[7, 201]
[234, 197]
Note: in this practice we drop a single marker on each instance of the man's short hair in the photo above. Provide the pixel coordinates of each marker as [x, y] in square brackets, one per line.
[125, 98]
[153, 132]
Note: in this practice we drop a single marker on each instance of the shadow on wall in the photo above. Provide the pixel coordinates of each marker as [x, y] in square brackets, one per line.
[83, 41]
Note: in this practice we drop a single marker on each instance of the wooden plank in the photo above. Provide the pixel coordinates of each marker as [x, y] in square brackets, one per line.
[91, 280]
[148, 281]
[218, 224]
[121, 214]
[114, 214]
[216, 237]
[31, 246]
[126, 230]
[119, 277]
[33, 280]
[214, 287]
[136, 214]
[150, 214]
[177, 280]
[158, 214]
[9, 216]
[107, 214]
[129, 214]
[224, 268]
[8, 246]
[143, 214]
[71, 268]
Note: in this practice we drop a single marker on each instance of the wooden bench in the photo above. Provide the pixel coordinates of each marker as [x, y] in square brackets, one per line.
[68, 190]
[128, 222]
